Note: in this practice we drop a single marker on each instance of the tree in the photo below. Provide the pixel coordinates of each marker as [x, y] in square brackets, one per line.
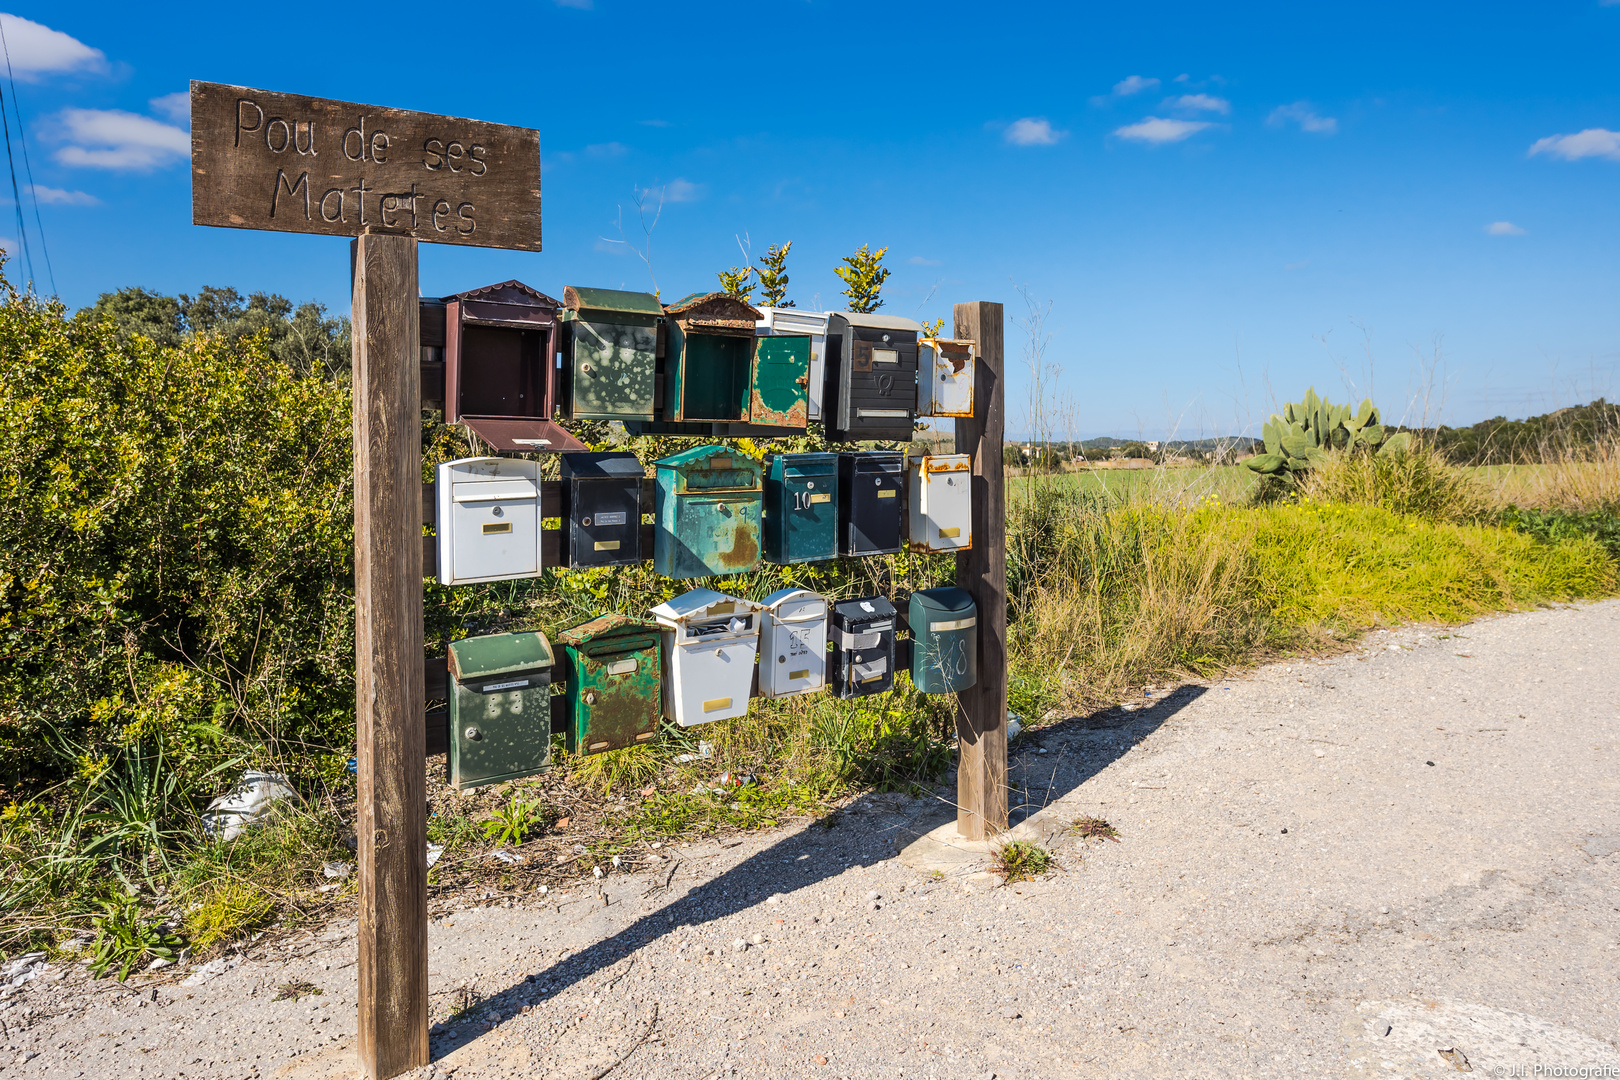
[734, 282]
[773, 277]
[136, 311]
[863, 275]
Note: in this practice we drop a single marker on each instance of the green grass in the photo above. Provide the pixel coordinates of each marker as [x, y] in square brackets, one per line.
[1169, 485]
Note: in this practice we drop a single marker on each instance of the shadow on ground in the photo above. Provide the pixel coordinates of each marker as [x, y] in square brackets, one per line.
[863, 832]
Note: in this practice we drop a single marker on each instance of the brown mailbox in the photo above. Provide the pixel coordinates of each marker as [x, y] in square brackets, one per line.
[500, 368]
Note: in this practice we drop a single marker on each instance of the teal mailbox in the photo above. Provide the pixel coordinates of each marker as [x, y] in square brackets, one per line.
[709, 502]
[801, 507]
[500, 708]
[944, 640]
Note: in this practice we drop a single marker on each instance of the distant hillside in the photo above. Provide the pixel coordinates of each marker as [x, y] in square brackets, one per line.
[1500, 441]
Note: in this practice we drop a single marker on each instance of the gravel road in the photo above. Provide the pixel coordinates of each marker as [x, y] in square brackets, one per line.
[1401, 861]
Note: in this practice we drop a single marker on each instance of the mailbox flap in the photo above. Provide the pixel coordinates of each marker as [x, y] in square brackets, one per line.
[699, 604]
[880, 461]
[499, 654]
[521, 435]
[873, 321]
[614, 305]
[795, 605]
[705, 469]
[604, 627]
[946, 608]
[862, 610]
[611, 466]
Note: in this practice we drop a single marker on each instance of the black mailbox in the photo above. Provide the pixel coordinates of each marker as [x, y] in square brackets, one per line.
[871, 377]
[499, 367]
[863, 646]
[871, 500]
[604, 508]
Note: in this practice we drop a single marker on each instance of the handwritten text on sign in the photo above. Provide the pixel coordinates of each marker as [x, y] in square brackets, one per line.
[262, 160]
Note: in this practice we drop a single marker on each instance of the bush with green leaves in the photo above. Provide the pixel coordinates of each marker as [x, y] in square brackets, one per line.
[1306, 431]
[863, 275]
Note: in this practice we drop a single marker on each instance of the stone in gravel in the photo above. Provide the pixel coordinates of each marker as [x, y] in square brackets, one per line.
[739, 945]
[759, 939]
[1010, 1013]
[872, 894]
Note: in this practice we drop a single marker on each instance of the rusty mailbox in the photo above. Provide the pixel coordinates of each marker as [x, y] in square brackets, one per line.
[499, 377]
[708, 513]
[716, 371]
[945, 377]
[710, 641]
[615, 678]
[871, 377]
[610, 354]
[871, 502]
[604, 508]
[792, 322]
[941, 502]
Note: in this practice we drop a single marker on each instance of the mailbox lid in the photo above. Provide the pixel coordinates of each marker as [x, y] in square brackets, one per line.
[871, 320]
[609, 633]
[506, 302]
[613, 305]
[711, 469]
[704, 614]
[494, 658]
[789, 320]
[857, 615]
[615, 465]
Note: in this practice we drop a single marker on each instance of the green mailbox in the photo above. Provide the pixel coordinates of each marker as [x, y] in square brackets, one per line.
[801, 507]
[717, 372]
[614, 683]
[944, 640]
[708, 513]
[610, 363]
[500, 708]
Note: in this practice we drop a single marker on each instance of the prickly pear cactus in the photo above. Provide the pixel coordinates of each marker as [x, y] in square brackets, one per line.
[1298, 438]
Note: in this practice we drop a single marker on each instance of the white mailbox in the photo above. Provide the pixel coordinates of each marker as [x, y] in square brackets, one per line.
[945, 377]
[786, 320]
[709, 644]
[793, 643]
[489, 520]
[941, 502]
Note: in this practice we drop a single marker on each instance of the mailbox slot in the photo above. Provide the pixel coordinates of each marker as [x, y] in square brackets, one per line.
[941, 502]
[489, 520]
[614, 685]
[863, 646]
[801, 507]
[871, 502]
[499, 709]
[709, 645]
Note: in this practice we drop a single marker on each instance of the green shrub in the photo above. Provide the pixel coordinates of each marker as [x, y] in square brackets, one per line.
[1420, 482]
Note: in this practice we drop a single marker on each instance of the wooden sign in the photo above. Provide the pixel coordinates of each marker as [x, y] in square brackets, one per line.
[289, 163]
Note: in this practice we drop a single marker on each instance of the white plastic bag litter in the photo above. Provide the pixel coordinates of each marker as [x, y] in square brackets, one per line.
[246, 802]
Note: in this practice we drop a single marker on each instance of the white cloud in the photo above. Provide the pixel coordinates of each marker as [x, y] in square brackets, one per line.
[176, 106]
[1301, 113]
[1033, 131]
[1200, 103]
[111, 139]
[1503, 228]
[918, 260]
[678, 190]
[1134, 84]
[1183, 77]
[58, 197]
[1593, 142]
[39, 50]
[1157, 130]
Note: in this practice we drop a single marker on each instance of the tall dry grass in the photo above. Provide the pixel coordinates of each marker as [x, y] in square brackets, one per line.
[1420, 482]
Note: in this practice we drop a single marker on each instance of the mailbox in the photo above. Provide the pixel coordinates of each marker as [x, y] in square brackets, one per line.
[499, 379]
[604, 508]
[945, 377]
[709, 502]
[709, 644]
[792, 643]
[801, 507]
[863, 647]
[609, 362]
[489, 520]
[871, 377]
[500, 708]
[941, 502]
[615, 677]
[717, 371]
[944, 640]
[871, 487]
[787, 321]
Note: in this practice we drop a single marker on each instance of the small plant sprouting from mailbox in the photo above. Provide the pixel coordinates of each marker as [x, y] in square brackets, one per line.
[863, 275]
[773, 276]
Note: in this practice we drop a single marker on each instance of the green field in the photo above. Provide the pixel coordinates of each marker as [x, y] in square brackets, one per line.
[1165, 486]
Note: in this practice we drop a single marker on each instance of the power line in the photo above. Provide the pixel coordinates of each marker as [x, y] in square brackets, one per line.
[22, 137]
[22, 229]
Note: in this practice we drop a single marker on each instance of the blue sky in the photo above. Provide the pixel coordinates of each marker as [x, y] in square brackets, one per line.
[1222, 204]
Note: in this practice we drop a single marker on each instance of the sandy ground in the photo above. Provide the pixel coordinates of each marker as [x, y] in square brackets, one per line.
[1403, 861]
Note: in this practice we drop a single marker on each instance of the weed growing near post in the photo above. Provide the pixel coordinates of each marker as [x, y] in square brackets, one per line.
[1021, 860]
[125, 938]
[513, 821]
[1094, 828]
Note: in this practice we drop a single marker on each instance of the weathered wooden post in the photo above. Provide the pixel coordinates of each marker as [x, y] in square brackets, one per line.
[391, 813]
[981, 722]
[289, 163]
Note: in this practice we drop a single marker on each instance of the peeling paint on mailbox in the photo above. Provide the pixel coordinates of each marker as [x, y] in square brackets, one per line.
[709, 503]
[615, 680]
[610, 364]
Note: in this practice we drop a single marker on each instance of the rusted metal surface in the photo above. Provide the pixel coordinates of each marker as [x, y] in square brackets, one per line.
[779, 383]
[714, 310]
[709, 503]
[615, 678]
[945, 377]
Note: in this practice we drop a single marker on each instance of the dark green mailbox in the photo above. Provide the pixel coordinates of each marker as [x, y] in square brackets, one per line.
[708, 513]
[609, 365]
[500, 708]
[801, 507]
[716, 371]
[945, 640]
[614, 683]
